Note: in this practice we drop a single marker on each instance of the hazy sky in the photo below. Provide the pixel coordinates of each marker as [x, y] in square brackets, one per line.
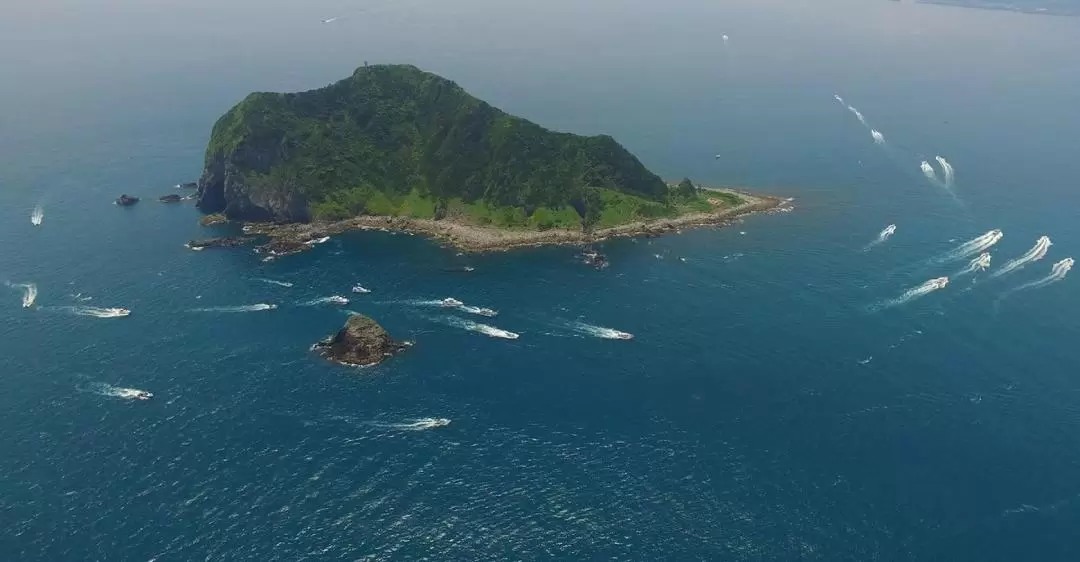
[70, 65]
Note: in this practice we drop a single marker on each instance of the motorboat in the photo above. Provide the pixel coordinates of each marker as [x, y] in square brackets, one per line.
[450, 302]
[361, 290]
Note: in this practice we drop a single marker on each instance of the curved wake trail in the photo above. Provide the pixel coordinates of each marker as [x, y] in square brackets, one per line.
[29, 292]
[105, 389]
[273, 282]
[242, 308]
[419, 424]
[858, 115]
[913, 293]
[471, 326]
[980, 263]
[1036, 253]
[972, 247]
[947, 170]
[600, 331]
[37, 216]
[1057, 273]
[882, 236]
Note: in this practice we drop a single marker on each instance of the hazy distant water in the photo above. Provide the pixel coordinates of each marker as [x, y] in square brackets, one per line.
[760, 413]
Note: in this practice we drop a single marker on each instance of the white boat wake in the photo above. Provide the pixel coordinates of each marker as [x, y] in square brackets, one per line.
[451, 302]
[600, 331]
[480, 311]
[979, 263]
[333, 299]
[471, 326]
[947, 171]
[913, 293]
[858, 115]
[37, 216]
[1036, 253]
[241, 308]
[105, 389]
[418, 424]
[29, 292]
[1057, 273]
[928, 171]
[273, 282]
[95, 311]
[972, 247]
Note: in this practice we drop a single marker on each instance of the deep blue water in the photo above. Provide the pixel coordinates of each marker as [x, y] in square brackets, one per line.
[761, 413]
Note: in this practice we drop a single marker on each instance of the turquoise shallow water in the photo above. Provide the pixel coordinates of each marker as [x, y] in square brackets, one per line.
[760, 413]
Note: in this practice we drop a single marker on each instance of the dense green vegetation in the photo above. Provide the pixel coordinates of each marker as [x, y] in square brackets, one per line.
[394, 140]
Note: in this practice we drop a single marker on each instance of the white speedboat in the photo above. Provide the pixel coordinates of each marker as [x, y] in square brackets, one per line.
[361, 290]
[450, 302]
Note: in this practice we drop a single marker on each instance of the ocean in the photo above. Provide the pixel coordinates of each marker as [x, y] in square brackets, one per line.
[776, 403]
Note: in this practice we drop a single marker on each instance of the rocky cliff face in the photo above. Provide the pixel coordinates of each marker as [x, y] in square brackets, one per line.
[225, 187]
[362, 342]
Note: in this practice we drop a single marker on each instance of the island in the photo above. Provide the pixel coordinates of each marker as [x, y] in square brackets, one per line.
[393, 147]
[360, 343]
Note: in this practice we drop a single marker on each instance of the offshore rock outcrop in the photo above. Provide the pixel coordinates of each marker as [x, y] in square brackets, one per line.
[360, 343]
[225, 242]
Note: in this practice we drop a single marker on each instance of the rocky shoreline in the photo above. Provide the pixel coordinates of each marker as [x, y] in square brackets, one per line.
[292, 238]
[223, 242]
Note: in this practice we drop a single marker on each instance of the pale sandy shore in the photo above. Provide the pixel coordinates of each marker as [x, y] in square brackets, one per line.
[290, 238]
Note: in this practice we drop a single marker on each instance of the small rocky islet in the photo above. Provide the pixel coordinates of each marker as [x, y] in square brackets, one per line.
[362, 342]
